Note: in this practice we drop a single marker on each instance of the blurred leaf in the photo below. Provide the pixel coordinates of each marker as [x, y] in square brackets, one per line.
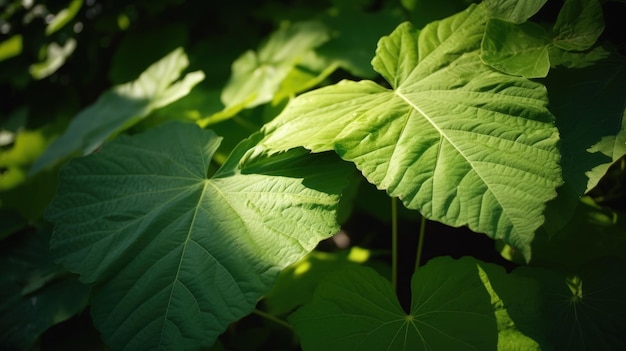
[352, 44]
[34, 293]
[64, 17]
[517, 49]
[423, 12]
[55, 58]
[257, 76]
[10, 47]
[140, 49]
[121, 107]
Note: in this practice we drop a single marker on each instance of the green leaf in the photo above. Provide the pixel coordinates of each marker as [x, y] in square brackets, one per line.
[594, 232]
[11, 47]
[586, 311]
[35, 294]
[295, 284]
[517, 49]
[513, 10]
[464, 144]
[55, 59]
[575, 95]
[613, 147]
[64, 17]
[176, 256]
[577, 59]
[121, 107]
[579, 24]
[257, 76]
[357, 309]
[423, 12]
[517, 307]
[352, 44]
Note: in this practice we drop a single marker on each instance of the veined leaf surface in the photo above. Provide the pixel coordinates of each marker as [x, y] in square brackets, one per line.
[357, 309]
[121, 107]
[461, 142]
[176, 256]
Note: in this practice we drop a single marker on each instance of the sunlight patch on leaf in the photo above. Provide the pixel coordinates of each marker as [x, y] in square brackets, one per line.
[121, 107]
[462, 143]
[258, 75]
[178, 255]
[357, 309]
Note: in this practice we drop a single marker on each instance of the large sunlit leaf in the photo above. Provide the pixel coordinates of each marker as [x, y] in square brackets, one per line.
[461, 142]
[177, 255]
[121, 107]
[357, 309]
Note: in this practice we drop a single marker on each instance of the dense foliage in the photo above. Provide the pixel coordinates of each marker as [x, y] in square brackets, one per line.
[330, 175]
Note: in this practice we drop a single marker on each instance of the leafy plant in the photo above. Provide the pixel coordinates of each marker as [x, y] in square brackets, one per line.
[504, 118]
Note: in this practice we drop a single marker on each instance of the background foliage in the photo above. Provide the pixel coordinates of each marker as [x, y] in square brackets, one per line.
[203, 223]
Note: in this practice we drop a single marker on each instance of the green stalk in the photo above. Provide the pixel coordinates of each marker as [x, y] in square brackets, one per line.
[394, 243]
[420, 243]
[273, 318]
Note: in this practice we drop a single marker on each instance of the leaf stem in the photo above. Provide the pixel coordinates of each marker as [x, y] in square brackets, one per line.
[272, 318]
[420, 243]
[394, 243]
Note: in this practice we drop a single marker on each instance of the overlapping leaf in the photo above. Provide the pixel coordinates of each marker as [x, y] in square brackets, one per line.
[464, 144]
[121, 107]
[176, 255]
[357, 309]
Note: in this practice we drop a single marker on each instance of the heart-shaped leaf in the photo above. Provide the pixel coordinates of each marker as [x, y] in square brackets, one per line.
[464, 144]
[176, 256]
[357, 309]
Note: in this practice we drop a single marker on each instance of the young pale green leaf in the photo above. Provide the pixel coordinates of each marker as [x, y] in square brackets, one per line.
[64, 17]
[257, 76]
[464, 144]
[357, 309]
[579, 24]
[517, 49]
[121, 107]
[176, 256]
[514, 10]
[56, 55]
